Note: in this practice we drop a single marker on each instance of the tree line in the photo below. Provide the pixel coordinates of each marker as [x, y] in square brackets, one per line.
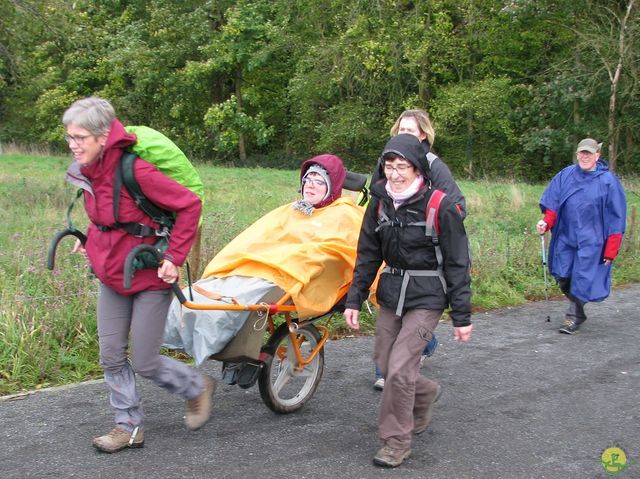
[511, 85]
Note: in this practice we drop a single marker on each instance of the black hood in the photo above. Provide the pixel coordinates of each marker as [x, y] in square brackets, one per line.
[408, 147]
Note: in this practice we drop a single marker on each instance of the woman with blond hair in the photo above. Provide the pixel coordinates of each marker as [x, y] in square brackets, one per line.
[417, 123]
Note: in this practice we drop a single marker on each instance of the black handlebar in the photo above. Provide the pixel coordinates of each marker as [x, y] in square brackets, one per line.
[129, 271]
[51, 255]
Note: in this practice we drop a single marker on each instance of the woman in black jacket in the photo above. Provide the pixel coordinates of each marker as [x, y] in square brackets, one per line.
[426, 271]
[417, 123]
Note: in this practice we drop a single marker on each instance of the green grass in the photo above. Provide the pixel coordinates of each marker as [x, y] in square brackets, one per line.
[47, 319]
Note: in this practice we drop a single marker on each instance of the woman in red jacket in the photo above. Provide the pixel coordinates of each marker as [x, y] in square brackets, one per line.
[137, 315]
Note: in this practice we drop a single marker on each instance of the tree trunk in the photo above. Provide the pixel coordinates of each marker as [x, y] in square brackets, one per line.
[469, 148]
[242, 152]
[611, 126]
[628, 150]
[615, 79]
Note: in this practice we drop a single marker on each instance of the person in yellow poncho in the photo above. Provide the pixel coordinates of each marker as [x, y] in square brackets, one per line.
[306, 248]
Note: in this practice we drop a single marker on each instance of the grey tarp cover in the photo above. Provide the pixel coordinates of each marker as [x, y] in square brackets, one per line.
[203, 333]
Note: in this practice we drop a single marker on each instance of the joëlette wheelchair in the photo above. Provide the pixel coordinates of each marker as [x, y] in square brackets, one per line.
[283, 354]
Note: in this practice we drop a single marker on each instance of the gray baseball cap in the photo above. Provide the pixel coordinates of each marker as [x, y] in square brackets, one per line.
[590, 145]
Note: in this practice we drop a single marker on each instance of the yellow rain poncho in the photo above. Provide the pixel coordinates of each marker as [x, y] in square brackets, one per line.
[309, 256]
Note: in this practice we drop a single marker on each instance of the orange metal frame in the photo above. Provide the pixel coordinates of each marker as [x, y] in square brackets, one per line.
[273, 309]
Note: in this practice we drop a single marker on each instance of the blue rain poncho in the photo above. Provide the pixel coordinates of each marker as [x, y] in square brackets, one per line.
[590, 207]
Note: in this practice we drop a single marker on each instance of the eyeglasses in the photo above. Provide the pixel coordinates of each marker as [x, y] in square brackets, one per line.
[400, 169]
[313, 181]
[77, 139]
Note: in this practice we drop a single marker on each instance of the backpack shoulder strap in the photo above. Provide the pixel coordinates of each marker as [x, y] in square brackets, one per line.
[117, 187]
[382, 218]
[431, 213]
[432, 228]
[125, 175]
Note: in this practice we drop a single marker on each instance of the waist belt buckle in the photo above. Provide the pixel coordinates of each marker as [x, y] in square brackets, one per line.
[138, 230]
[142, 231]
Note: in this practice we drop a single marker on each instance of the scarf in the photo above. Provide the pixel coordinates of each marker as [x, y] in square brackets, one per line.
[399, 198]
[304, 207]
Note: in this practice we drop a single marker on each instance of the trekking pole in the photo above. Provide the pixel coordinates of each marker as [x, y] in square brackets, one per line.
[544, 270]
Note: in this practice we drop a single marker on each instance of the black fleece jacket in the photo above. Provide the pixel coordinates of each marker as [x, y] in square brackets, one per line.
[407, 247]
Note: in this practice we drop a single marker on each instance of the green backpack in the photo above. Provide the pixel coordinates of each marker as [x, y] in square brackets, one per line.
[154, 147]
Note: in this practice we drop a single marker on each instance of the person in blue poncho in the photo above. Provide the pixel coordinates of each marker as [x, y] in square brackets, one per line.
[585, 208]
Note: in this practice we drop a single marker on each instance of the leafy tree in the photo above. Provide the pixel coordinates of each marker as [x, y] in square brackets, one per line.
[571, 99]
[477, 132]
[611, 32]
[240, 47]
[510, 84]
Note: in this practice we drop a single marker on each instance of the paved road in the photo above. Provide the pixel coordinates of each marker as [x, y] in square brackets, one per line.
[520, 401]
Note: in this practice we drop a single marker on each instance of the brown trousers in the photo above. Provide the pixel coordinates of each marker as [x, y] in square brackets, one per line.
[399, 343]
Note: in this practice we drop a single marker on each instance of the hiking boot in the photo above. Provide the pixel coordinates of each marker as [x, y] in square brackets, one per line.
[118, 439]
[421, 419]
[570, 327]
[389, 457]
[199, 408]
[379, 384]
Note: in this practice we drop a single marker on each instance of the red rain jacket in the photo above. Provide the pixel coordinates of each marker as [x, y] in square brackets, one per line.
[107, 250]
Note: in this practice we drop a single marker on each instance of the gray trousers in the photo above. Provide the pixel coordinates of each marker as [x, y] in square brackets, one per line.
[140, 318]
[399, 343]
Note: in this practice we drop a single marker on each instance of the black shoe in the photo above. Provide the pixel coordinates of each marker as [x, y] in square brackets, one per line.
[570, 327]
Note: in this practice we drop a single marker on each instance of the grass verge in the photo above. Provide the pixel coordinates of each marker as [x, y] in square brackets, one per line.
[47, 318]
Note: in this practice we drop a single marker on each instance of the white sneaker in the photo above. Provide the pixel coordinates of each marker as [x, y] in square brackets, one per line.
[379, 384]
